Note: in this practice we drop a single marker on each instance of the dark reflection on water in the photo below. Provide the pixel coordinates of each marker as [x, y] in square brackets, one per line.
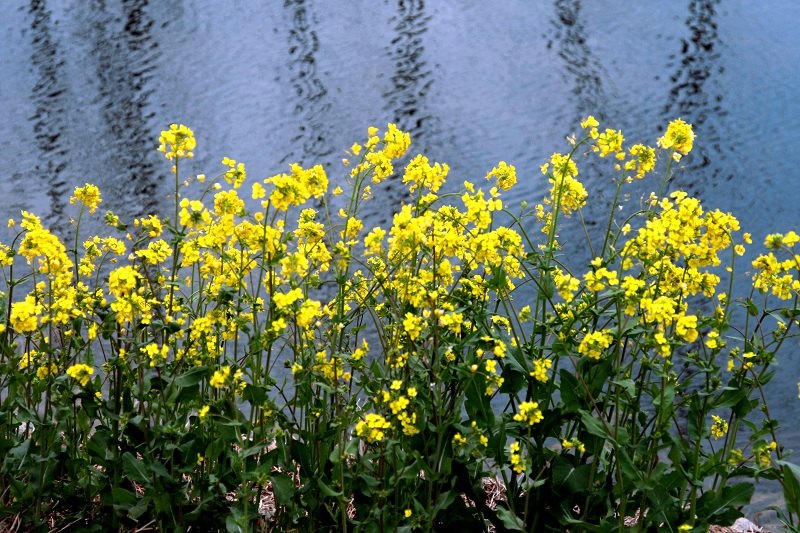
[694, 97]
[310, 141]
[124, 56]
[49, 97]
[411, 82]
[584, 68]
[412, 77]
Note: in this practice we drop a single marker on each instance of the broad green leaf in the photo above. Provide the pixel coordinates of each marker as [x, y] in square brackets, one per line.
[134, 468]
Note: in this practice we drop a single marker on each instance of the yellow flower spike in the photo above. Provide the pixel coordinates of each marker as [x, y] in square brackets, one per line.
[679, 136]
[505, 174]
[81, 372]
[177, 142]
[590, 122]
[88, 195]
[719, 428]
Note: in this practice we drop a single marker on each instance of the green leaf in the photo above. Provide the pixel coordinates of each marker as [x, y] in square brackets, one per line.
[725, 504]
[627, 385]
[511, 521]
[327, 490]
[193, 376]
[123, 498]
[791, 485]
[513, 380]
[282, 488]
[134, 468]
[569, 392]
[575, 478]
[593, 425]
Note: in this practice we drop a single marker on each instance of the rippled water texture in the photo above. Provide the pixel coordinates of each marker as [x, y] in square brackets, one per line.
[85, 87]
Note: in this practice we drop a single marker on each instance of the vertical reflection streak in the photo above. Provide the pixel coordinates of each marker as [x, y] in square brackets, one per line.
[585, 70]
[124, 61]
[690, 95]
[49, 99]
[411, 79]
[311, 103]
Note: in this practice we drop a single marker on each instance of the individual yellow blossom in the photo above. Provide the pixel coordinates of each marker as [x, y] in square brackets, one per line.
[594, 279]
[203, 412]
[679, 136]
[81, 373]
[407, 513]
[719, 428]
[88, 195]
[122, 281]
[228, 203]
[257, 191]
[566, 284]
[157, 252]
[685, 528]
[590, 122]
[282, 300]
[713, 341]
[574, 443]
[177, 142]
[47, 370]
[157, 354]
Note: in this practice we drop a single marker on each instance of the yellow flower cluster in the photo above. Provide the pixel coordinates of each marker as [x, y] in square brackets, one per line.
[595, 343]
[400, 405]
[529, 413]
[719, 428]
[81, 373]
[373, 427]
[515, 458]
[775, 276]
[376, 161]
[236, 174]
[88, 195]
[226, 377]
[505, 174]
[177, 142]
[679, 137]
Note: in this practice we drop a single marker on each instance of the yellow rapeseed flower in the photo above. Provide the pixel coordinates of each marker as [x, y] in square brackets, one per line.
[88, 195]
[81, 372]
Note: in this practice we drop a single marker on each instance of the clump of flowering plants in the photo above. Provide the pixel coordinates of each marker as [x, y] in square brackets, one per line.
[259, 363]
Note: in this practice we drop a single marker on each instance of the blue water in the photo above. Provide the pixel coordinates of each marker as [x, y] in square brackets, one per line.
[85, 87]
